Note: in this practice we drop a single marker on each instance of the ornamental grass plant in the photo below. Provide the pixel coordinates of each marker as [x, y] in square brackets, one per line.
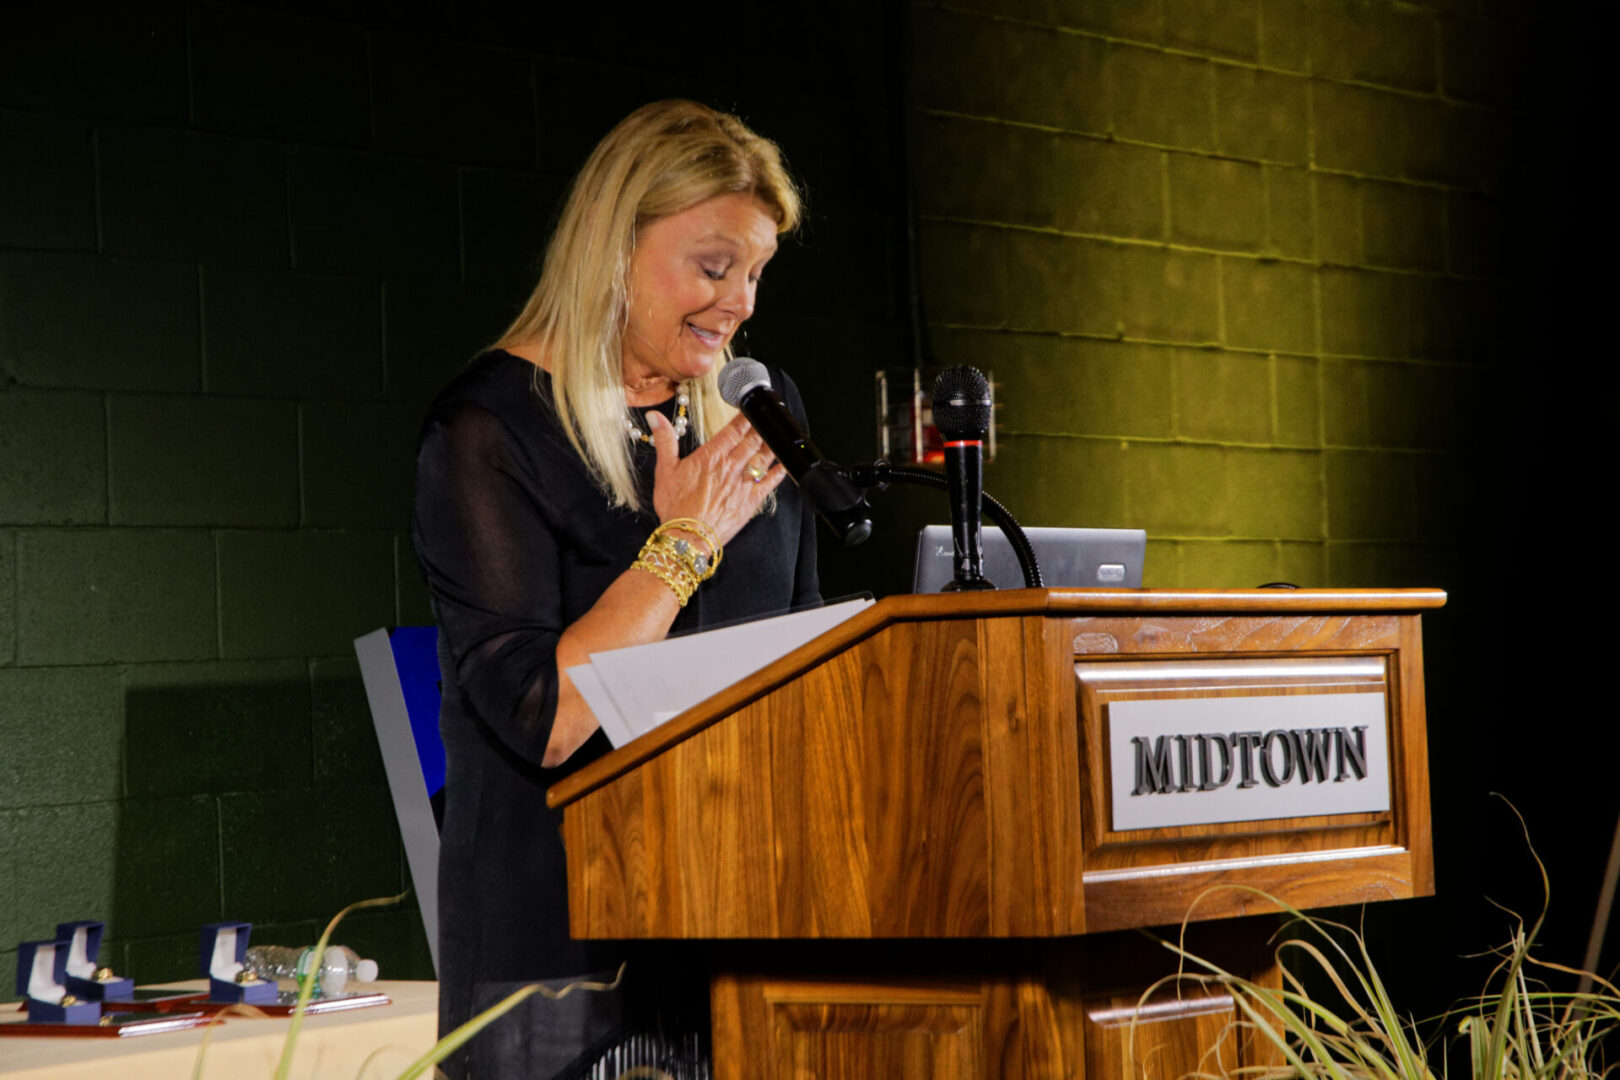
[427, 1064]
[1334, 1019]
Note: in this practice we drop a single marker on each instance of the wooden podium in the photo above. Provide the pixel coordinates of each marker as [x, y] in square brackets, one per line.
[901, 838]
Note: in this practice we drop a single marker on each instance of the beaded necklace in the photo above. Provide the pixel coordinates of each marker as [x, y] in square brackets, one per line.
[680, 422]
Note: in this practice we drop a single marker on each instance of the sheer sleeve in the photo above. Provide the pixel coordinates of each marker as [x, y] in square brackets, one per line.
[492, 567]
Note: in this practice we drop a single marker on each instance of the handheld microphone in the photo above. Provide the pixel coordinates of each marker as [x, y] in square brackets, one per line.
[746, 385]
[962, 415]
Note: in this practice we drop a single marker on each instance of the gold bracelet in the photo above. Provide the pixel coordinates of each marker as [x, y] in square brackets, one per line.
[682, 554]
[680, 582]
[701, 566]
[708, 535]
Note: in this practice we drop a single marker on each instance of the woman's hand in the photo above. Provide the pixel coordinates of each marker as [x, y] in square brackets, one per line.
[713, 483]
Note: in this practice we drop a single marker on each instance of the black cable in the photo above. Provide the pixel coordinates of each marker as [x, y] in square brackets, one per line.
[881, 472]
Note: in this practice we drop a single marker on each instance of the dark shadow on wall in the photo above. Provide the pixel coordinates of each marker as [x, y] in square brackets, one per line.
[1516, 663]
[257, 801]
[312, 218]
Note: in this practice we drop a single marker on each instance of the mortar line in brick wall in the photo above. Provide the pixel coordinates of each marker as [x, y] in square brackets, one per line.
[219, 596]
[1151, 440]
[1205, 346]
[1445, 233]
[219, 849]
[106, 456]
[289, 396]
[69, 805]
[1413, 361]
[1271, 391]
[1436, 94]
[1312, 187]
[15, 544]
[1266, 229]
[1121, 241]
[125, 665]
[1194, 249]
[1192, 538]
[1400, 451]
[1166, 217]
[1233, 444]
[1322, 517]
[1220, 301]
[1216, 155]
[309, 711]
[1213, 112]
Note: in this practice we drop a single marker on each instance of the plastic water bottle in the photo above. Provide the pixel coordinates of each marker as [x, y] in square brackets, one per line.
[341, 966]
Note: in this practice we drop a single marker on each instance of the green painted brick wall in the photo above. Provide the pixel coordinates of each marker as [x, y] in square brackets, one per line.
[240, 250]
[1235, 267]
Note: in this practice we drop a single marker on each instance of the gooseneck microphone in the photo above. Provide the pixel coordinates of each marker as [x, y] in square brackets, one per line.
[746, 385]
[962, 414]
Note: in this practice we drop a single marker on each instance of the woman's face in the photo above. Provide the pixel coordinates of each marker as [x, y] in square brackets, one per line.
[692, 282]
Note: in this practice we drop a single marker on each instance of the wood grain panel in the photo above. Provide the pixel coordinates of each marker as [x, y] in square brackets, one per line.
[1153, 875]
[894, 610]
[1168, 635]
[1222, 889]
[1412, 749]
[944, 779]
[1165, 1039]
[1032, 780]
[725, 880]
[739, 1027]
[849, 803]
[1030, 1011]
[925, 768]
[860, 1042]
[821, 817]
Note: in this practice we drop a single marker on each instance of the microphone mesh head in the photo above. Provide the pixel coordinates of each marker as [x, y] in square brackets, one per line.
[962, 403]
[740, 375]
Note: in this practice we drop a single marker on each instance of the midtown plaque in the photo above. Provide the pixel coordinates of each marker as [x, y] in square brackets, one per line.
[1200, 760]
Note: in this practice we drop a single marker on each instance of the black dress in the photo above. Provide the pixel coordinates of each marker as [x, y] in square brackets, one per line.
[516, 543]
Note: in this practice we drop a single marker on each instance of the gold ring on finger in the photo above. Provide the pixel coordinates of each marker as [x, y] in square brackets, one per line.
[755, 473]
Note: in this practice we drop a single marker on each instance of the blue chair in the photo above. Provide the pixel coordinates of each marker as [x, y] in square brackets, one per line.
[400, 668]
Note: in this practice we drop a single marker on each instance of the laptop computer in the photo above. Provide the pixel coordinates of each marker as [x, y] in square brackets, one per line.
[1069, 558]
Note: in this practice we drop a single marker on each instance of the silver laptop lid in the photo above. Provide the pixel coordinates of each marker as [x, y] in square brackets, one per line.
[1069, 558]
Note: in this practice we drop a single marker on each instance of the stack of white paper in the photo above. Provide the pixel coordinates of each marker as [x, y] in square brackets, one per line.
[633, 690]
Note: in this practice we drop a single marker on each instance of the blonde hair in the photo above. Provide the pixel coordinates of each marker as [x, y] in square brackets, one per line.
[660, 160]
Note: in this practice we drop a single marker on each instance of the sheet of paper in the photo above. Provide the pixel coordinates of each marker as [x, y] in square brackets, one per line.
[648, 684]
[597, 699]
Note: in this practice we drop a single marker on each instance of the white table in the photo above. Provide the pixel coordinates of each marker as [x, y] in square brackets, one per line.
[331, 1046]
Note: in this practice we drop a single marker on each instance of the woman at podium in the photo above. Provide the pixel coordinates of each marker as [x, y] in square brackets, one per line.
[582, 487]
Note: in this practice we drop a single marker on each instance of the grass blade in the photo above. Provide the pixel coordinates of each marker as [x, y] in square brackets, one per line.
[306, 985]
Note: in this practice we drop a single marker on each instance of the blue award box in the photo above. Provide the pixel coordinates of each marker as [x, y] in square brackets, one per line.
[41, 971]
[220, 956]
[84, 979]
